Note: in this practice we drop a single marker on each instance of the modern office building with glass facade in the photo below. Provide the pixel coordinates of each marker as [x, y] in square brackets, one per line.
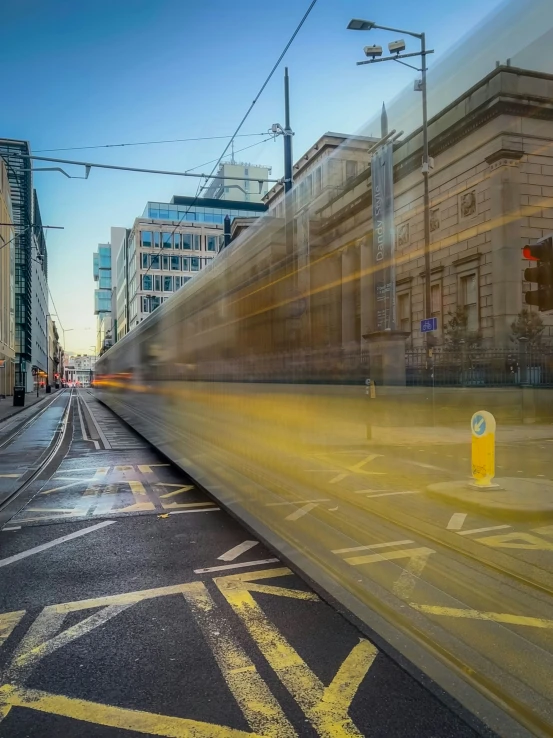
[102, 297]
[172, 242]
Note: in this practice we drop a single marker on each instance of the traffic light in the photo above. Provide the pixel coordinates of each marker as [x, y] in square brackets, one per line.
[542, 274]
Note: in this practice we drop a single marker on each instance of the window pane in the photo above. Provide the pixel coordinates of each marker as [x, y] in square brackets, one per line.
[164, 212]
[146, 281]
[166, 263]
[197, 242]
[167, 284]
[157, 283]
[167, 240]
[436, 301]
[211, 243]
[175, 263]
[144, 261]
[195, 263]
[176, 240]
[154, 261]
[187, 241]
[156, 238]
[185, 264]
[147, 239]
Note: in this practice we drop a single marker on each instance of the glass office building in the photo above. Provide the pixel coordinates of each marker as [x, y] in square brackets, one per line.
[102, 296]
[171, 243]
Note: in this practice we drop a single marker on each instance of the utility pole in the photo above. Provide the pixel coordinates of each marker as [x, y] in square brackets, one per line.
[425, 174]
[288, 168]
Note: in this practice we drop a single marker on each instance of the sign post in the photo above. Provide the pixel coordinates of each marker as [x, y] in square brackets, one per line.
[482, 426]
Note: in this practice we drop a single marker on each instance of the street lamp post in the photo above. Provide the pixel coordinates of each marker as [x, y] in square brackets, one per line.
[395, 48]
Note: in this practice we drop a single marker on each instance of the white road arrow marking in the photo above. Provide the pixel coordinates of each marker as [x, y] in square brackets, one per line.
[237, 551]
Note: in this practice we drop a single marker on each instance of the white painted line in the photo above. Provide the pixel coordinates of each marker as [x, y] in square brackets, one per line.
[10, 476]
[296, 502]
[391, 494]
[339, 478]
[182, 512]
[105, 441]
[457, 521]
[372, 545]
[237, 566]
[96, 445]
[366, 491]
[297, 514]
[55, 542]
[15, 527]
[237, 551]
[65, 486]
[85, 437]
[481, 530]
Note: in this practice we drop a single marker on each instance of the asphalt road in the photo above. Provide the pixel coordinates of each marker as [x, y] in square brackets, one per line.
[472, 589]
[132, 604]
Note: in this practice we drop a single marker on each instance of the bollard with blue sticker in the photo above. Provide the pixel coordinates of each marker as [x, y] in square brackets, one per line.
[482, 425]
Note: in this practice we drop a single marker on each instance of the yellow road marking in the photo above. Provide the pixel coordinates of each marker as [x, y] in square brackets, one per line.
[8, 621]
[545, 531]
[186, 488]
[389, 555]
[147, 468]
[139, 492]
[496, 617]
[119, 599]
[259, 707]
[525, 541]
[123, 468]
[175, 505]
[147, 723]
[325, 707]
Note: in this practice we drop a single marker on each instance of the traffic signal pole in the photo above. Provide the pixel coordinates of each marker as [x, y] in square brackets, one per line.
[542, 274]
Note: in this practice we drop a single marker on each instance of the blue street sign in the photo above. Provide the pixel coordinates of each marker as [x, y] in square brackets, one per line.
[478, 424]
[429, 324]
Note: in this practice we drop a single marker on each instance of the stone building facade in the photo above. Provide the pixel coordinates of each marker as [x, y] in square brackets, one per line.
[491, 191]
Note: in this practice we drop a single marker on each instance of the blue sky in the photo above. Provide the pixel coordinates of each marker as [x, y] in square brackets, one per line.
[111, 71]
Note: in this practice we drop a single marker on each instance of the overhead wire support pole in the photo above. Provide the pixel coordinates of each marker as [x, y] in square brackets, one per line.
[425, 174]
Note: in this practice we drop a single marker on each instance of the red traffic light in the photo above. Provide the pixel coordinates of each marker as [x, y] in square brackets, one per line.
[529, 252]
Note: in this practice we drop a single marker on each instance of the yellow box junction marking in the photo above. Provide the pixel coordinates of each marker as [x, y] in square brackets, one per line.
[141, 498]
[325, 707]
[495, 617]
[517, 540]
[8, 621]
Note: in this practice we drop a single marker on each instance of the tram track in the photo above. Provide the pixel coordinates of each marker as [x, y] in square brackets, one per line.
[46, 463]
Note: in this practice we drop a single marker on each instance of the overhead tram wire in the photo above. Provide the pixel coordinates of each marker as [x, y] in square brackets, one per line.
[249, 110]
[147, 143]
[258, 143]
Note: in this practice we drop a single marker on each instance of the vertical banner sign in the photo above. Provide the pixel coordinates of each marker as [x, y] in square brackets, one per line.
[383, 237]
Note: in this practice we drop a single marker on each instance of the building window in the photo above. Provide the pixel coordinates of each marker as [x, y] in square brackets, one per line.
[351, 169]
[165, 262]
[157, 236]
[167, 240]
[145, 304]
[144, 261]
[195, 264]
[404, 311]
[147, 239]
[187, 241]
[157, 283]
[175, 263]
[469, 297]
[154, 261]
[185, 264]
[146, 281]
[212, 243]
[167, 284]
[177, 282]
[436, 299]
[197, 242]
[176, 240]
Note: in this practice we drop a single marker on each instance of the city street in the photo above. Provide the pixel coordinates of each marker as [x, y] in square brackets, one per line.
[131, 601]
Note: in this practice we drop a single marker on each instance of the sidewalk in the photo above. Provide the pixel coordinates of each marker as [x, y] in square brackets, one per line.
[7, 409]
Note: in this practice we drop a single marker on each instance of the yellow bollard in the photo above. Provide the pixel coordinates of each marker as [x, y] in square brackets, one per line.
[482, 425]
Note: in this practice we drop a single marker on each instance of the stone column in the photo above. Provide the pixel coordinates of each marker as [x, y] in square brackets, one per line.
[366, 285]
[349, 277]
[505, 241]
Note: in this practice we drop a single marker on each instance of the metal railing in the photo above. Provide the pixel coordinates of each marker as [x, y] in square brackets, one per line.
[474, 367]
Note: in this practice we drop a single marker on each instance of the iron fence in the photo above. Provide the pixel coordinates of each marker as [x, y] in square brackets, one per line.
[473, 367]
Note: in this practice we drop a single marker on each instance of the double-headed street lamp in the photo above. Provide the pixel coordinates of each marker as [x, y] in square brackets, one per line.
[396, 48]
